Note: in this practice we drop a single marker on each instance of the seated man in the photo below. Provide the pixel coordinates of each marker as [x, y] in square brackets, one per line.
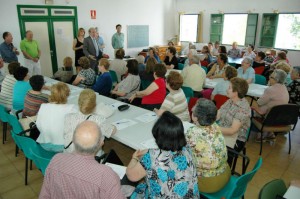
[78, 174]
[234, 52]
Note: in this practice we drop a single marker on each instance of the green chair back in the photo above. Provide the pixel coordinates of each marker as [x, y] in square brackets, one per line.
[232, 64]
[188, 92]
[180, 66]
[3, 114]
[145, 84]
[42, 158]
[272, 189]
[204, 68]
[114, 76]
[16, 128]
[259, 79]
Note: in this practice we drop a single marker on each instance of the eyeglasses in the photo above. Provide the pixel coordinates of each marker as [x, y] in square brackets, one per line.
[271, 77]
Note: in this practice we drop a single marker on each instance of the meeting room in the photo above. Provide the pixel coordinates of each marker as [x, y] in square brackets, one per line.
[149, 99]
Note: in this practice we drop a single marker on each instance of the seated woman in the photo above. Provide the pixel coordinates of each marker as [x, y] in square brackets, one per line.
[103, 83]
[259, 60]
[234, 115]
[222, 86]
[281, 57]
[147, 75]
[131, 84]
[51, 117]
[154, 95]
[208, 147]
[207, 59]
[171, 60]
[34, 98]
[175, 101]
[87, 106]
[21, 88]
[218, 69]
[275, 94]
[6, 93]
[249, 52]
[65, 73]
[294, 87]
[152, 54]
[246, 71]
[168, 171]
[119, 65]
[141, 60]
[287, 69]
[86, 77]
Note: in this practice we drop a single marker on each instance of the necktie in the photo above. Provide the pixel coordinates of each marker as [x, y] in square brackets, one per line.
[96, 47]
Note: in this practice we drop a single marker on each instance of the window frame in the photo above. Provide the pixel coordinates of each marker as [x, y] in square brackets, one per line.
[199, 28]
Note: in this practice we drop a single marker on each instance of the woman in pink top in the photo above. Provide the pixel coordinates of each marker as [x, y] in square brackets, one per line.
[154, 95]
[275, 94]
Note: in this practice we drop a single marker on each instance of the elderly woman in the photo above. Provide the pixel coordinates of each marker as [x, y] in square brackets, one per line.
[246, 71]
[119, 65]
[168, 171]
[87, 106]
[6, 93]
[154, 95]
[205, 140]
[147, 75]
[65, 73]
[191, 53]
[131, 84]
[222, 86]
[207, 55]
[171, 60]
[259, 60]
[86, 77]
[51, 117]
[281, 57]
[275, 94]
[141, 60]
[234, 115]
[249, 52]
[152, 54]
[294, 87]
[175, 102]
[218, 69]
[104, 82]
[287, 69]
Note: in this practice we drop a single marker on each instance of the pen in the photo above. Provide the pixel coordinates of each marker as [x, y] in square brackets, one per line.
[121, 122]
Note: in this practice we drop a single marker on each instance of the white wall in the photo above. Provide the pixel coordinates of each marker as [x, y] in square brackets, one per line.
[157, 14]
[237, 6]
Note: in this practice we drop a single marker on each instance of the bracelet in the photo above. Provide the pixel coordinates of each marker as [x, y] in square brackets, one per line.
[134, 158]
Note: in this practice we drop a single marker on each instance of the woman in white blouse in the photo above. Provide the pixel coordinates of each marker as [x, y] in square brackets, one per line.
[51, 116]
[87, 106]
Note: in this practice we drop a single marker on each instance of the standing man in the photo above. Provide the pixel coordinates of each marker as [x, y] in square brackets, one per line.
[91, 49]
[100, 41]
[117, 40]
[8, 52]
[32, 53]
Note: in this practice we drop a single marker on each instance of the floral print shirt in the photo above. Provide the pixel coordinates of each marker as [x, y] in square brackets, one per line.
[294, 91]
[209, 149]
[169, 175]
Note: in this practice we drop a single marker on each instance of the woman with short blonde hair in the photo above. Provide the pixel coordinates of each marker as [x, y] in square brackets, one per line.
[59, 93]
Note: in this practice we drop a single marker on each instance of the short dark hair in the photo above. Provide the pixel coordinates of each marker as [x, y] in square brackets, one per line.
[223, 57]
[12, 66]
[217, 42]
[240, 86]
[118, 25]
[37, 82]
[262, 55]
[172, 50]
[281, 55]
[160, 70]
[132, 66]
[168, 132]
[5, 34]
[210, 43]
[223, 49]
[175, 80]
[252, 47]
[120, 54]
[84, 62]
[20, 73]
[205, 111]
[230, 72]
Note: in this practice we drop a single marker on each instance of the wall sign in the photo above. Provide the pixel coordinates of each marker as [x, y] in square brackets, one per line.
[93, 14]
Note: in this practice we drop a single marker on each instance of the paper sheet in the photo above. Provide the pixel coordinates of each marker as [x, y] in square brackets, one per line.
[120, 170]
[147, 117]
[149, 144]
[124, 123]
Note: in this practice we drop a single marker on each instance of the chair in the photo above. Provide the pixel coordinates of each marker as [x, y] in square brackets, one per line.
[114, 77]
[259, 70]
[236, 187]
[204, 68]
[41, 158]
[4, 119]
[180, 66]
[188, 92]
[220, 100]
[191, 104]
[272, 189]
[234, 155]
[145, 84]
[232, 64]
[259, 79]
[281, 118]
[16, 128]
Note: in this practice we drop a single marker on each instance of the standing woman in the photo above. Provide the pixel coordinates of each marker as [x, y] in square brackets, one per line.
[78, 47]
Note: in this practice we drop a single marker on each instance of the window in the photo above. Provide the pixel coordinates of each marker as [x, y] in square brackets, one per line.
[189, 27]
[281, 31]
[228, 28]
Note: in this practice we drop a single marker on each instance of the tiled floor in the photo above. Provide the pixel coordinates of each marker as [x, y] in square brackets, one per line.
[277, 163]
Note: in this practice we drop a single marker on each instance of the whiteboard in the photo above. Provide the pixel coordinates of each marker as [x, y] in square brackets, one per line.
[137, 36]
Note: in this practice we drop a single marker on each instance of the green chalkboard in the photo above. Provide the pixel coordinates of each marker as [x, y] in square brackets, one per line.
[137, 36]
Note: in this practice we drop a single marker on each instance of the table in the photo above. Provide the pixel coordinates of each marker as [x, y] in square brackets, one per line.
[125, 59]
[235, 60]
[293, 192]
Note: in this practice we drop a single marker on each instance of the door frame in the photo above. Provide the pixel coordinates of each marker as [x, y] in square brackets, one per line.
[49, 18]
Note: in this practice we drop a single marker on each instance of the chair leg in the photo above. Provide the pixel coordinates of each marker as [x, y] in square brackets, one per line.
[244, 161]
[290, 142]
[17, 151]
[26, 170]
[261, 143]
[30, 164]
[4, 131]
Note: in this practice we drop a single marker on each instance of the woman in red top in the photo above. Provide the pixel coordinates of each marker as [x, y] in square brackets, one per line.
[154, 95]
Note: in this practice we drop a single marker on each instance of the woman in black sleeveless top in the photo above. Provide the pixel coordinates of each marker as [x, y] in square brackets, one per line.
[78, 47]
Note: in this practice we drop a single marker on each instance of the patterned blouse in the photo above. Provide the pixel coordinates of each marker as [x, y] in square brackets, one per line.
[294, 91]
[169, 175]
[89, 78]
[209, 149]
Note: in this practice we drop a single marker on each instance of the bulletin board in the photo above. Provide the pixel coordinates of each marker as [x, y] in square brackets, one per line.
[137, 36]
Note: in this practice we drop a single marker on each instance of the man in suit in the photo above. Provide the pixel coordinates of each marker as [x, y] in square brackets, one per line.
[91, 49]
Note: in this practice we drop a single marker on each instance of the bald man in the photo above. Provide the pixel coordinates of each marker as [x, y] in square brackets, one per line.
[78, 174]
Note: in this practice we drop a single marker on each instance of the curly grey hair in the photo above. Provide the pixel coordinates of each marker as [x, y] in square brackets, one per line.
[205, 111]
[279, 76]
[248, 60]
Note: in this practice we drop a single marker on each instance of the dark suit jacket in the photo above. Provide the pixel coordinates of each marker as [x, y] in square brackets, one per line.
[89, 49]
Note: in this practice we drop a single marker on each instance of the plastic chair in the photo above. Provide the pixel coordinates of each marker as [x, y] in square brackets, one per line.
[259, 79]
[40, 159]
[205, 69]
[220, 100]
[259, 70]
[4, 119]
[281, 118]
[188, 92]
[114, 77]
[236, 187]
[272, 189]
[180, 66]
[16, 128]
[234, 155]
[191, 104]
[232, 64]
